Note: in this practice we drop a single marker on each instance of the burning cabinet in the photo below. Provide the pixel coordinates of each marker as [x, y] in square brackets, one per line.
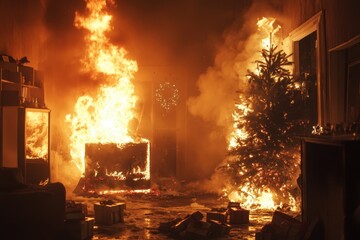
[331, 186]
[25, 142]
[24, 122]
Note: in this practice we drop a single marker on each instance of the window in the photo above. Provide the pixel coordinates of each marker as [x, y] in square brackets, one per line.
[308, 47]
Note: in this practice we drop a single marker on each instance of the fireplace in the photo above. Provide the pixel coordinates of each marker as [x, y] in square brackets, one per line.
[112, 167]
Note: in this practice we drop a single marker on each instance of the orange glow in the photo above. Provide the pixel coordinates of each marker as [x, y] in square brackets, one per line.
[266, 27]
[250, 197]
[107, 192]
[36, 141]
[103, 118]
[239, 133]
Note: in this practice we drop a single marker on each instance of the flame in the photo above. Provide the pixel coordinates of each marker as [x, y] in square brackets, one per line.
[239, 133]
[267, 28]
[247, 193]
[36, 135]
[103, 118]
[250, 197]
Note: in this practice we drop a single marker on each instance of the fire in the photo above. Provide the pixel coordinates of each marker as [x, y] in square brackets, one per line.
[266, 26]
[239, 133]
[103, 118]
[249, 197]
[248, 193]
[36, 135]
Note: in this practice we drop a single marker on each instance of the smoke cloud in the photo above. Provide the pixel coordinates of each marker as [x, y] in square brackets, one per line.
[217, 86]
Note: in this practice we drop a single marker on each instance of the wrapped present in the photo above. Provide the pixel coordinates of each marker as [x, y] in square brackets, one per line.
[218, 216]
[238, 215]
[198, 230]
[219, 229]
[75, 211]
[108, 213]
[233, 205]
[72, 206]
[80, 230]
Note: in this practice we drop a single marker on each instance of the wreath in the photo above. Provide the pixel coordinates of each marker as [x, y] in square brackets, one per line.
[167, 95]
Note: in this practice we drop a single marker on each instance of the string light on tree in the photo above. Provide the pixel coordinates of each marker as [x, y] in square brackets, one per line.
[167, 95]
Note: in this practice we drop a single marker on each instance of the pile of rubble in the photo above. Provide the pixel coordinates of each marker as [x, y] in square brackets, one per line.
[218, 223]
[283, 226]
[192, 227]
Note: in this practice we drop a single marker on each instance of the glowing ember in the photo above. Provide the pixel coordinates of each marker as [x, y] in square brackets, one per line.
[103, 118]
[37, 135]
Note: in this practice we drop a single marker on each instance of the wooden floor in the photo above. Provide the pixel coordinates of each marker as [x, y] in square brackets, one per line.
[144, 213]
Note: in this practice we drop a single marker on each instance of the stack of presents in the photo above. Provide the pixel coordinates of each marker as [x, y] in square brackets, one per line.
[80, 226]
[77, 223]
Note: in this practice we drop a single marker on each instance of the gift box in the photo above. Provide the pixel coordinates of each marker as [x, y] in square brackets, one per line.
[72, 206]
[79, 230]
[219, 229]
[109, 213]
[234, 205]
[218, 216]
[198, 230]
[75, 211]
[238, 215]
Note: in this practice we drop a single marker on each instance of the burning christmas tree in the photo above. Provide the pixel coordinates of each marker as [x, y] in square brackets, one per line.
[263, 161]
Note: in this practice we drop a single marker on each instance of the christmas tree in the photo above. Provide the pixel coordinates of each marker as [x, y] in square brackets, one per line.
[264, 155]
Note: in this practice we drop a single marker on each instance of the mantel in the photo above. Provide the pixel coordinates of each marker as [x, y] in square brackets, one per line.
[331, 139]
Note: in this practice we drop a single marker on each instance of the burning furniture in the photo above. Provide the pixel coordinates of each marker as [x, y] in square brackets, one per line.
[25, 121]
[117, 167]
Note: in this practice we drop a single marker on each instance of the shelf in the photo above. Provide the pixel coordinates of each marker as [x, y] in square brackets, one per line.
[335, 139]
[21, 86]
[8, 81]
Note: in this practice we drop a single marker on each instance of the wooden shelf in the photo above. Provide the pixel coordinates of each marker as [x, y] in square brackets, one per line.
[21, 86]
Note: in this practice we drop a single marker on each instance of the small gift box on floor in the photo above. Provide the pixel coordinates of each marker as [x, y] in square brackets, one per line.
[238, 215]
[108, 212]
[79, 229]
[75, 210]
[218, 216]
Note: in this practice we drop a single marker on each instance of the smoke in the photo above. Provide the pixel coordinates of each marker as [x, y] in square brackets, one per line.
[64, 82]
[217, 86]
[22, 31]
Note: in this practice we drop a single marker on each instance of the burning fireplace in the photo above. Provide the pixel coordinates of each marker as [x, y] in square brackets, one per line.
[117, 166]
[111, 156]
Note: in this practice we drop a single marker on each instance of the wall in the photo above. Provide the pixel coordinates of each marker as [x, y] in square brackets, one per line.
[341, 20]
[21, 29]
